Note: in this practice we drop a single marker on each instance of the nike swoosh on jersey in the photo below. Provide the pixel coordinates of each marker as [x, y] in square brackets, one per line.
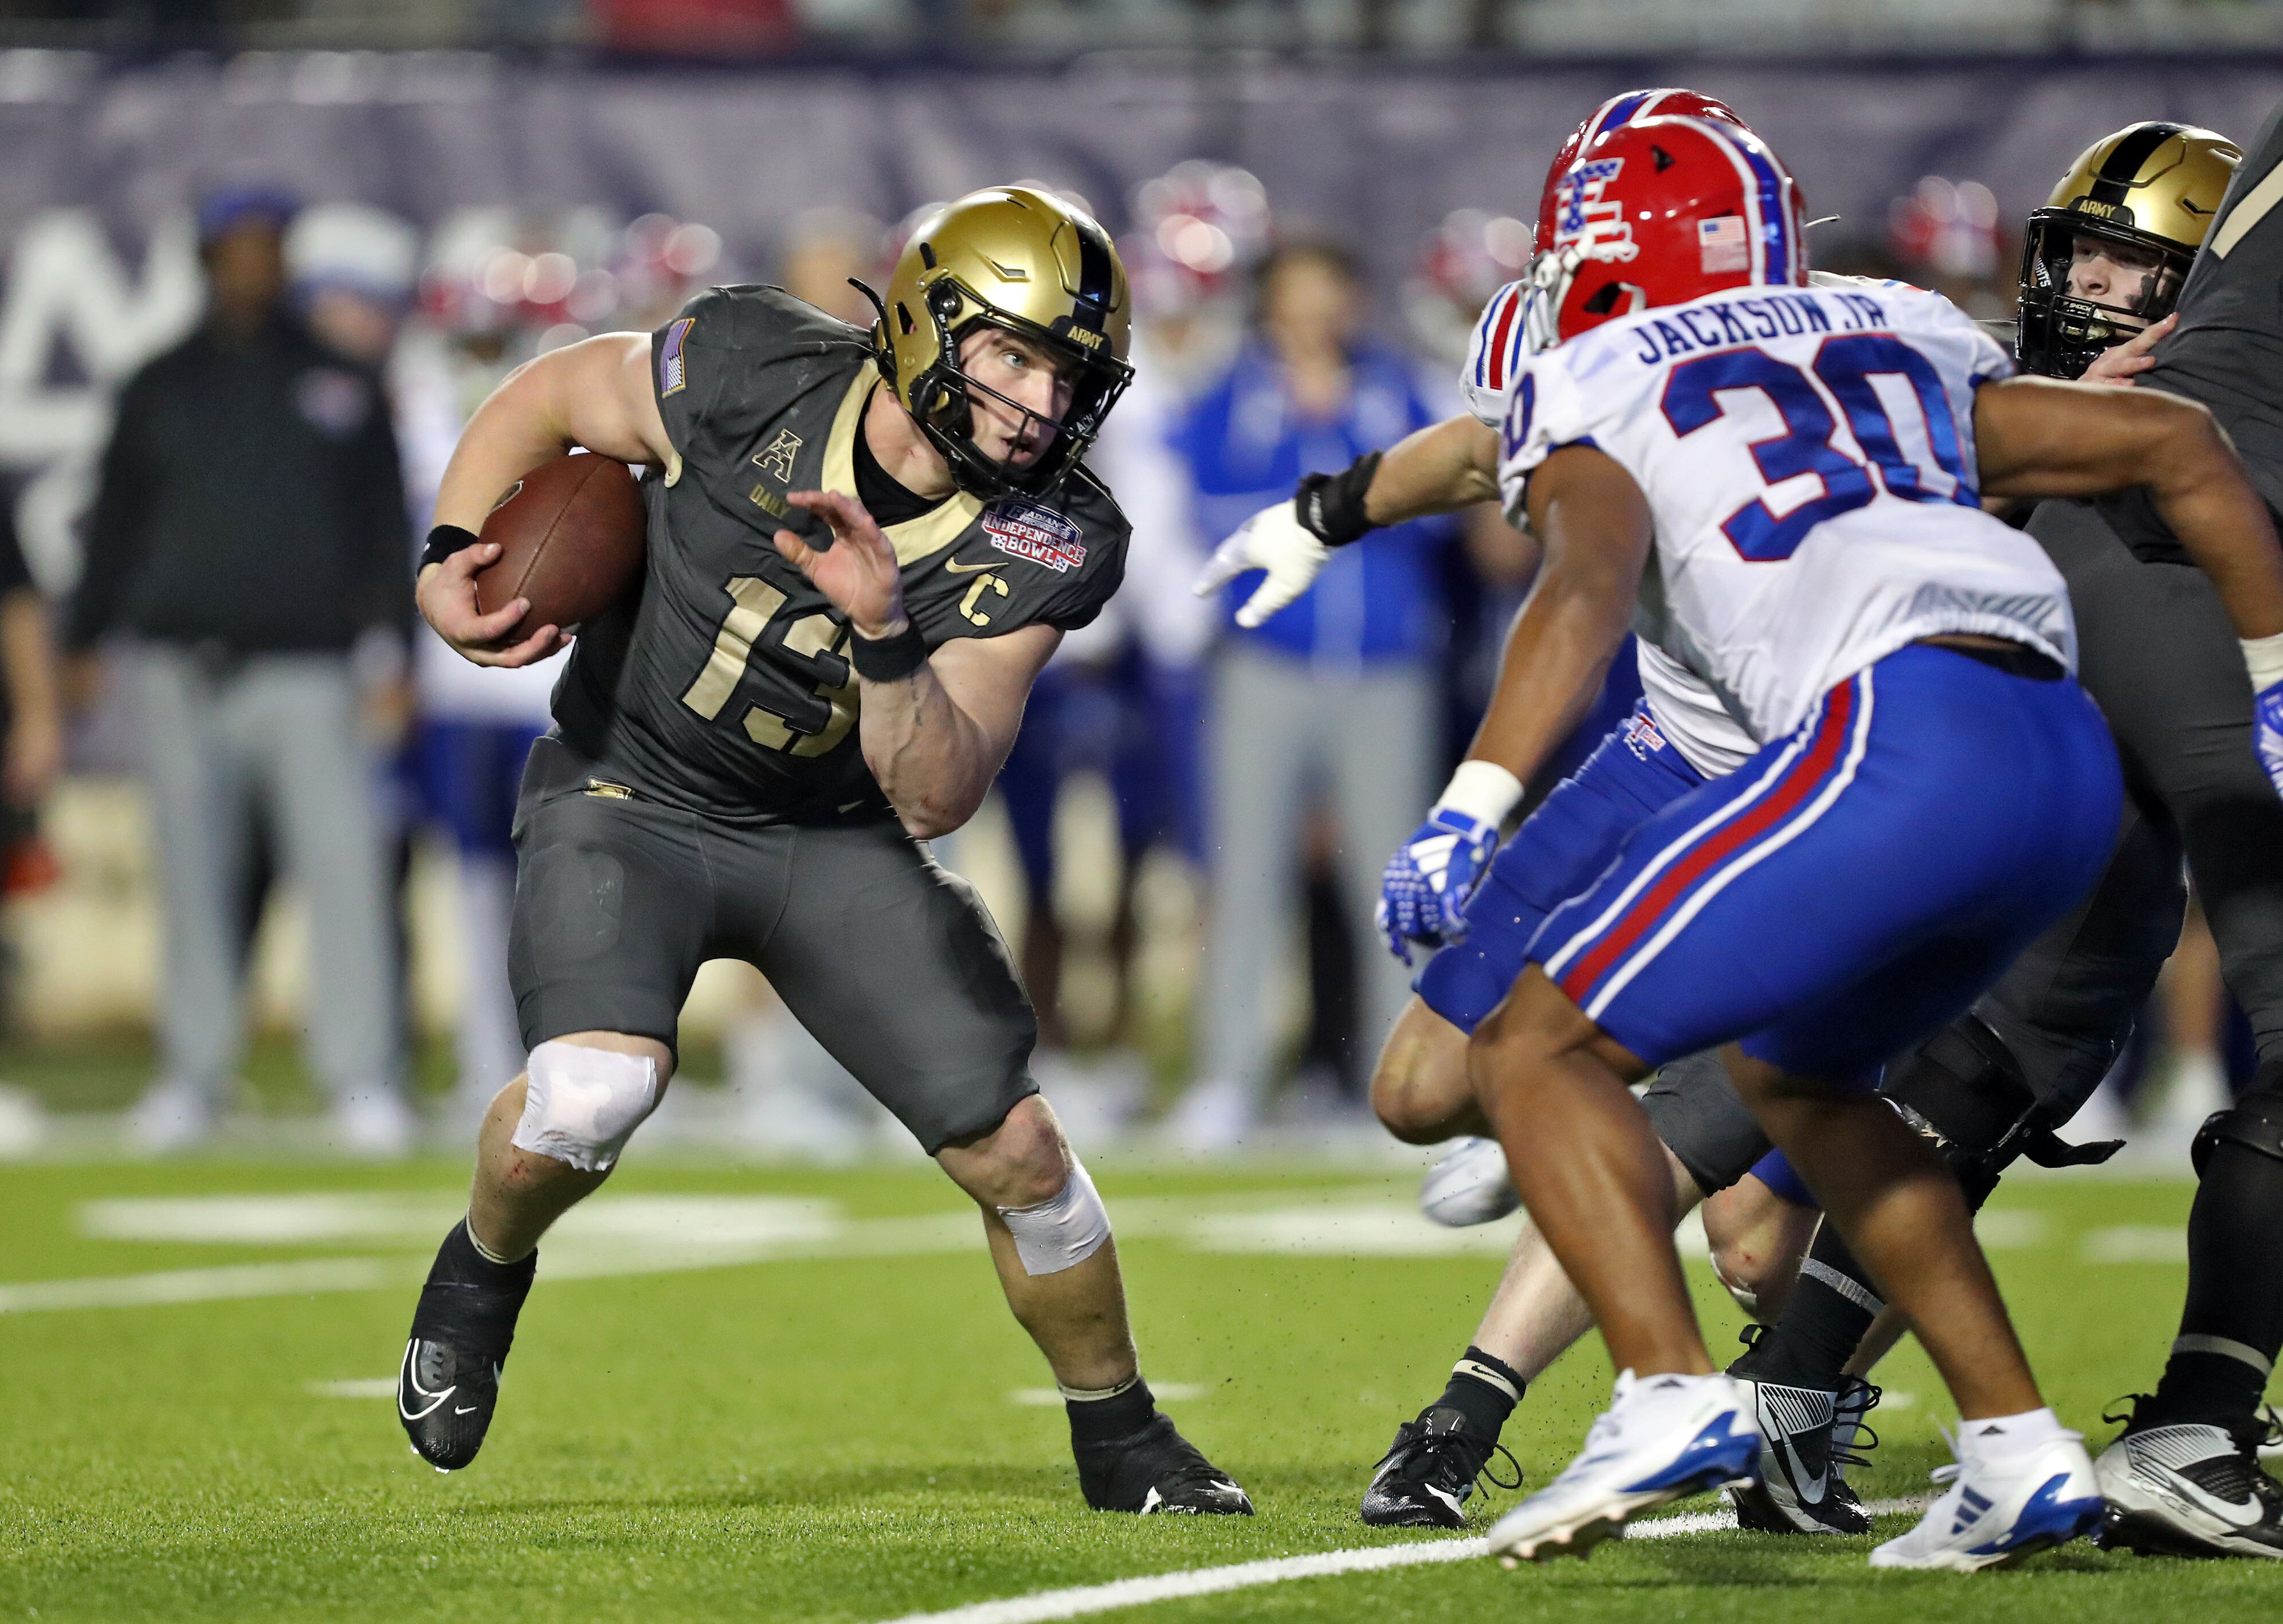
[957, 568]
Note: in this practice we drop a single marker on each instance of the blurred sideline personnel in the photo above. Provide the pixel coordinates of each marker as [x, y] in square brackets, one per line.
[1607, 812]
[2102, 266]
[749, 756]
[1336, 695]
[249, 532]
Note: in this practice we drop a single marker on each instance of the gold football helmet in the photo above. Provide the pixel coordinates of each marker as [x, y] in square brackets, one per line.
[1012, 257]
[2145, 196]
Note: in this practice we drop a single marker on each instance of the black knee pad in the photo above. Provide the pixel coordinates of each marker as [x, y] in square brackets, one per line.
[2254, 1121]
[1963, 1093]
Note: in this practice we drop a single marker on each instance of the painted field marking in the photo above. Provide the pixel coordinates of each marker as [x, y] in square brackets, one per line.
[362, 1387]
[237, 1280]
[2137, 1243]
[1048, 1606]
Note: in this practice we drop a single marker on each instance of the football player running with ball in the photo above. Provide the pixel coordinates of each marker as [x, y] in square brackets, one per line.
[863, 548]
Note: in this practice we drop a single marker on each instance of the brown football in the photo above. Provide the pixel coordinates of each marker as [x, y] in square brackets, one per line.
[571, 534]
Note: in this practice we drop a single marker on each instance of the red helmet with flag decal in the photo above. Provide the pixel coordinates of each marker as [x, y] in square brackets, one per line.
[1630, 107]
[1663, 211]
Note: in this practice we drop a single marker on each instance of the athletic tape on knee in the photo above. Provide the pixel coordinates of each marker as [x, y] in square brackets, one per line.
[1063, 1232]
[581, 1106]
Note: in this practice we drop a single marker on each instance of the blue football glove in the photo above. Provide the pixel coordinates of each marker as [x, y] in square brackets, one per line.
[1422, 897]
[2267, 731]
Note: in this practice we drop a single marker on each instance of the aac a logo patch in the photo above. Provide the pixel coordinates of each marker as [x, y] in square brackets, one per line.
[1034, 531]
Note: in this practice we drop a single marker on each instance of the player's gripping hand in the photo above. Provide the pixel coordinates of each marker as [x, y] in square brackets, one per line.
[859, 571]
[446, 595]
[1424, 892]
[2120, 363]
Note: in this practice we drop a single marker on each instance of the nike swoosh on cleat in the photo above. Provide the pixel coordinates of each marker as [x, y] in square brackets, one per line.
[1809, 1490]
[413, 1381]
[463, 1410]
[1151, 1500]
[1445, 1496]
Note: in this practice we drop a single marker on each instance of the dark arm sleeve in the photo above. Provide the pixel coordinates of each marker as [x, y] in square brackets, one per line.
[116, 525]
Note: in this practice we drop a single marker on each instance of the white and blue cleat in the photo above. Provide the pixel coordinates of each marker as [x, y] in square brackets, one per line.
[1999, 1510]
[1662, 1438]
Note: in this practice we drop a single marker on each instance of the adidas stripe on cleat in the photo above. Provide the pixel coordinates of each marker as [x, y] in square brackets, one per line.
[1663, 1437]
[1998, 1511]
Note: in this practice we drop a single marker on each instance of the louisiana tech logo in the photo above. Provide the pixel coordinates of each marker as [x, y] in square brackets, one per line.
[1584, 217]
[1034, 532]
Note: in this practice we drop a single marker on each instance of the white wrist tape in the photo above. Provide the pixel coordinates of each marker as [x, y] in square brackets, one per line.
[1484, 791]
[2262, 657]
[581, 1106]
[1062, 1233]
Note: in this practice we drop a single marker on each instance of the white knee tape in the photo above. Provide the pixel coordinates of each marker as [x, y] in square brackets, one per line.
[581, 1106]
[1060, 1233]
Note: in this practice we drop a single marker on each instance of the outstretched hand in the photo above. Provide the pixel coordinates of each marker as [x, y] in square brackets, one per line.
[859, 573]
[2120, 363]
[446, 597]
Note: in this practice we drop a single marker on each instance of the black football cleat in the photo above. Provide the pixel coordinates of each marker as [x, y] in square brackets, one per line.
[448, 1384]
[445, 1396]
[1426, 1476]
[1155, 1471]
[2189, 1490]
[1807, 1436]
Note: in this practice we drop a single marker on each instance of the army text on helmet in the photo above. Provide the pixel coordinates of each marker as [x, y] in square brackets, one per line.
[2140, 201]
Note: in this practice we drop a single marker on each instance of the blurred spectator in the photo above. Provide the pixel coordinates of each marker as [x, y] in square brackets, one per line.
[31, 717]
[1334, 697]
[249, 535]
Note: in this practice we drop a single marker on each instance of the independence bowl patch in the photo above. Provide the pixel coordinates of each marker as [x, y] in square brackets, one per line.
[1034, 531]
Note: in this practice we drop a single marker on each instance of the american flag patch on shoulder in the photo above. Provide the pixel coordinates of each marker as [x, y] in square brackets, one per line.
[672, 366]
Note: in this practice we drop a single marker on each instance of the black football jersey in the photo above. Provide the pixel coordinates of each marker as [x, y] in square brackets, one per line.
[2227, 352]
[725, 687]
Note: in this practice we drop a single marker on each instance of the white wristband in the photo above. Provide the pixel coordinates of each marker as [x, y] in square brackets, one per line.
[1484, 791]
[2264, 658]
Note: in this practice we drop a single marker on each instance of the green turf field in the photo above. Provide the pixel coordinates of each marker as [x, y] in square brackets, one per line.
[799, 1399]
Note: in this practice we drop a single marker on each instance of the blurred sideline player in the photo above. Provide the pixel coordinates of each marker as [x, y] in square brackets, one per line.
[749, 757]
[2103, 265]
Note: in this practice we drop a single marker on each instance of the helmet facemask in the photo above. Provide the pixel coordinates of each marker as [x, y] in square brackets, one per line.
[942, 396]
[2063, 333]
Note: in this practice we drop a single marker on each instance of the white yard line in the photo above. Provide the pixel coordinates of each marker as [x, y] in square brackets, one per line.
[1049, 1606]
[203, 1284]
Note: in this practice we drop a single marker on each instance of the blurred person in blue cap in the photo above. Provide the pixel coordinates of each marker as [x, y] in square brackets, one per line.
[247, 546]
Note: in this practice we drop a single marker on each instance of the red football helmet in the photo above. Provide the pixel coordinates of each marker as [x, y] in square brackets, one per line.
[1629, 108]
[1661, 211]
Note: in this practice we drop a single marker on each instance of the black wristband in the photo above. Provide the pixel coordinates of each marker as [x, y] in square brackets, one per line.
[443, 541]
[1330, 505]
[888, 659]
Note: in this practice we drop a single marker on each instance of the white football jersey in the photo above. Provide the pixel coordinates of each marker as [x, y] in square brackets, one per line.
[1688, 714]
[1808, 455]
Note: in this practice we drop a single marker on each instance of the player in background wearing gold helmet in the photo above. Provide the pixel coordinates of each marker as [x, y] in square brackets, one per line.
[863, 547]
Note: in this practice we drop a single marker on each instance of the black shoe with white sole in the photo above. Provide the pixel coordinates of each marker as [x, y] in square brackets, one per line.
[449, 1384]
[1433, 1468]
[2189, 1490]
[1155, 1471]
[1807, 1436]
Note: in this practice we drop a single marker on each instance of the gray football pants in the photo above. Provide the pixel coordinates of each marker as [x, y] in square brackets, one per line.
[1281, 729]
[282, 731]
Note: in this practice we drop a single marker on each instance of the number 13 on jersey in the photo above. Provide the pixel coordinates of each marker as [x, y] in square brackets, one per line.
[804, 719]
